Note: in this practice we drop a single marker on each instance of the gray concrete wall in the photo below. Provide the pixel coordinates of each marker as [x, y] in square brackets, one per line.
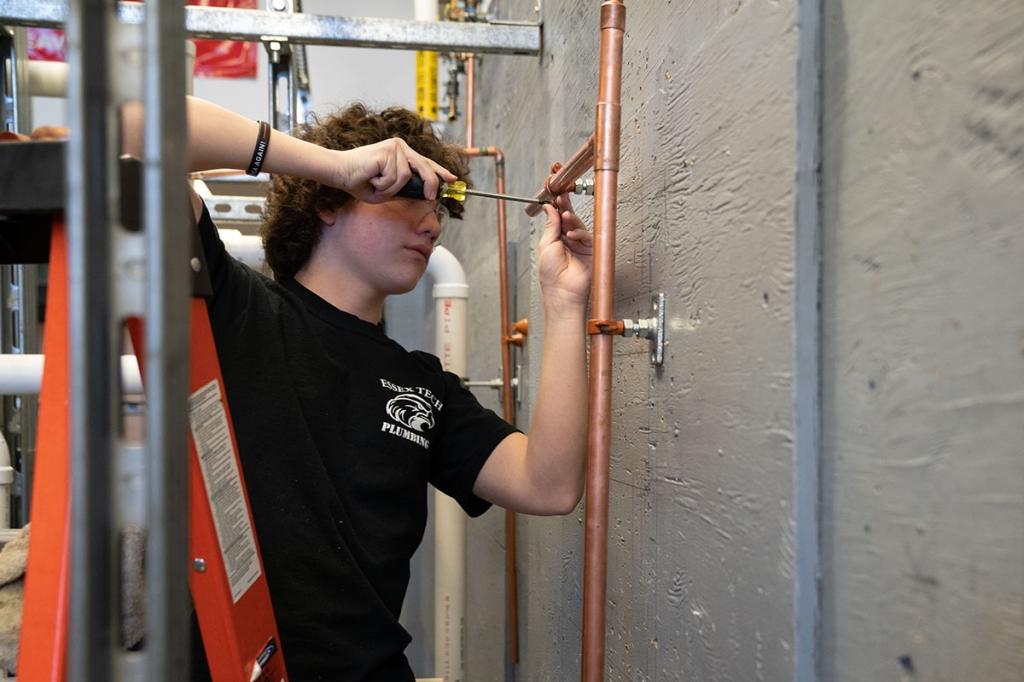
[701, 550]
[923, 323]
[922, 336]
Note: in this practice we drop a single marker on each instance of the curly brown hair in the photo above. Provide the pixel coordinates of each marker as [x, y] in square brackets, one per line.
[291, 221]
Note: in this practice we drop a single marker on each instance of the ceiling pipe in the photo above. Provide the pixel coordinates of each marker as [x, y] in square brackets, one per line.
[606, 173]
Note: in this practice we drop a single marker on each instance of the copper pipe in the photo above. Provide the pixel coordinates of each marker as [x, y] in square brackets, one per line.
[470, 92]
[218, 173]
[606, 172]
[506, 385]
[564, 177]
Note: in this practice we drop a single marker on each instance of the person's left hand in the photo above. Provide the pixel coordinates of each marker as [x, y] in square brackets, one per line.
[564, 255]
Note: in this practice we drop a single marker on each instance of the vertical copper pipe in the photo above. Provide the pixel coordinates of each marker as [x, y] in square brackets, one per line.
[606, 172]
[506, 378]
[470, 96]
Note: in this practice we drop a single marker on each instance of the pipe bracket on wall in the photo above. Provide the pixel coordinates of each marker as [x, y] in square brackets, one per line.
[652, 328]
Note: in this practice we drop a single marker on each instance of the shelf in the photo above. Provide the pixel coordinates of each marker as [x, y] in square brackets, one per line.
[32, 175]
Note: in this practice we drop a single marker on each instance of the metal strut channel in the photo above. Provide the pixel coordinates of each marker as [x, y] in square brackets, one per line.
[309, 29]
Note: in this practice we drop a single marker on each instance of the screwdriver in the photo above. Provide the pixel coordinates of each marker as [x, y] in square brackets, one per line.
[455, 190]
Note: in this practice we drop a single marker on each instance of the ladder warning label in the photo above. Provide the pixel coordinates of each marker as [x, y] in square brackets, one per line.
[223, 483]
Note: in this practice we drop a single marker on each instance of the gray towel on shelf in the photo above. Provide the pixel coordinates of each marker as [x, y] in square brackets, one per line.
[12, 595]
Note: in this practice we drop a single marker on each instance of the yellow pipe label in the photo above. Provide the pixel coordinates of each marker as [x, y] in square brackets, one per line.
[426, 84]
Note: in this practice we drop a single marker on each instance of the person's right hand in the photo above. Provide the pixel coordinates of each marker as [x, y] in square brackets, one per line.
[375, 172]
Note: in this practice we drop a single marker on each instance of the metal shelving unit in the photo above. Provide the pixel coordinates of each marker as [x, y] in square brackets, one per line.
[522, 38]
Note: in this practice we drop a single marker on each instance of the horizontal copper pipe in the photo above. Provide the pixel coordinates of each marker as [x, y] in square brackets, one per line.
[218, 173]
[564, 178]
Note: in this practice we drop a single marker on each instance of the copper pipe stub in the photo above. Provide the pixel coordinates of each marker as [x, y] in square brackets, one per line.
[518, 332]
[563, 177]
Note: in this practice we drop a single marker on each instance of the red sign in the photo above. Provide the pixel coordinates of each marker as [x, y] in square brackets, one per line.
[47, 44]
[214, 58]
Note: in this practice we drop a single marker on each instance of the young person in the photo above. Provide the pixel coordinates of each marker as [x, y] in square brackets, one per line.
[339, 429]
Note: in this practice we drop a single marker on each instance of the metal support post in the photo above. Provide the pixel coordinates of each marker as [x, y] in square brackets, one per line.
[15, 103]
[287, 73]
[283, 95]
[166, 221]
[106, 266]
[304, 101]
[18, 299]
[20, 310]
[90, 211]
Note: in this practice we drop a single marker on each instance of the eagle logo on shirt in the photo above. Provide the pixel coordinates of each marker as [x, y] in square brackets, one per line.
[411, 411]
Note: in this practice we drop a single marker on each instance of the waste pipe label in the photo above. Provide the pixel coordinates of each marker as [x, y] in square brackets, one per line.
[446, 355]
[223, 482]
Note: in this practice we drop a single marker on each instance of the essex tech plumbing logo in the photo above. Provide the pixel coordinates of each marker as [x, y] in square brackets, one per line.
[413, 410]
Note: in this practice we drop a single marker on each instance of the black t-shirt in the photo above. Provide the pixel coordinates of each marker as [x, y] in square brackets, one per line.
[339, 430]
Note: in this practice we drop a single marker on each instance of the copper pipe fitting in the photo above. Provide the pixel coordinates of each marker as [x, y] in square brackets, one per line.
[611, 327]
[518, 332]
[563, 179]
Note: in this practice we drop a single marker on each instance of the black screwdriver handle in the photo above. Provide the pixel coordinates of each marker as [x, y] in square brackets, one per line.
[412, 189]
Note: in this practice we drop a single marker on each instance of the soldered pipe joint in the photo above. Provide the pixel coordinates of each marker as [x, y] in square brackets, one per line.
[613, 15]
[609, 121]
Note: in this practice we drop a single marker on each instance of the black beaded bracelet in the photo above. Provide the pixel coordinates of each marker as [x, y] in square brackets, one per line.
[260, 152]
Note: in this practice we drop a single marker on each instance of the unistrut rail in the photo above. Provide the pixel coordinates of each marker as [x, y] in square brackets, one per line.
[309, 29]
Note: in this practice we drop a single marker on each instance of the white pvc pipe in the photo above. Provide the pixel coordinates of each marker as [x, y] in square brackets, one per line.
[50, 79]
[23, 374]
[247, 248]
[450, 297]
[425, 10]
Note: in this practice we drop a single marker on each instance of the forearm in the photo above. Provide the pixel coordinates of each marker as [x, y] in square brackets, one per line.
[557, 447]
[219, 138]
